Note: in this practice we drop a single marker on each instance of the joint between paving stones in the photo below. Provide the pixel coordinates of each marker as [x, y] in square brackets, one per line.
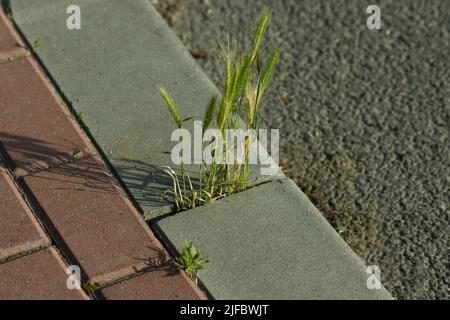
[15, 57]
[106, 283]
[20, 51]
[98, 286]
[66, 263]
[41, 225]
[17, 175]
[93, 287]
[154, 215]
[25, 253]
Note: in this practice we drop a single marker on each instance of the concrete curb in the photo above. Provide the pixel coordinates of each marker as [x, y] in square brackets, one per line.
[269, 242]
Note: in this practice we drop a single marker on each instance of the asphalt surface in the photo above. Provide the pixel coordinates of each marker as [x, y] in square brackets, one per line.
[363, 118]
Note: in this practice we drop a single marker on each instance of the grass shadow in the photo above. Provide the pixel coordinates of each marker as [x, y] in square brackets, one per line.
[148, 183]
[33, 157]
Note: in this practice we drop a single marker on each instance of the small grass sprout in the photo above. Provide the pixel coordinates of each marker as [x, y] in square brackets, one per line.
[36, 44]
[90, 287]
[190, 260]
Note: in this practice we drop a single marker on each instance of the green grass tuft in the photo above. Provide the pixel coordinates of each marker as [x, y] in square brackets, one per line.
[246, 79]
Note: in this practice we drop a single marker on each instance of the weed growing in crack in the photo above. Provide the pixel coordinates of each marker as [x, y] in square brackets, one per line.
[79, 116]
[190, 260]
[246, 79]
[36, 44]
[90, 287]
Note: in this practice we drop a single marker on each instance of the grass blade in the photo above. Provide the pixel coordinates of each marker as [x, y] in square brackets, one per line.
[268, 70]
[260, 31]
[171, 106]
[209, 113]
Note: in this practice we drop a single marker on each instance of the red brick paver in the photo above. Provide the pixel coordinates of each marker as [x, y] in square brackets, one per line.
[37, 276]
[19, 230]
[164, 283]
[10, 43]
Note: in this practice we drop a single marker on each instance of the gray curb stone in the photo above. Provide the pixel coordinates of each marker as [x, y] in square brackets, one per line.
[270, 242]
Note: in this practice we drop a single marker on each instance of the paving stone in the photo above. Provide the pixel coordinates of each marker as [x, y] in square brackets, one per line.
[37, 276]
[36, 130]
[270, 242]
[19, 230]
[164, 283]
[123, 110]
[10, 43]
[92, 221]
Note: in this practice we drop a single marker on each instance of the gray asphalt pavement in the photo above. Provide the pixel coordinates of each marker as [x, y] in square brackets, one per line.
[364, 118]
